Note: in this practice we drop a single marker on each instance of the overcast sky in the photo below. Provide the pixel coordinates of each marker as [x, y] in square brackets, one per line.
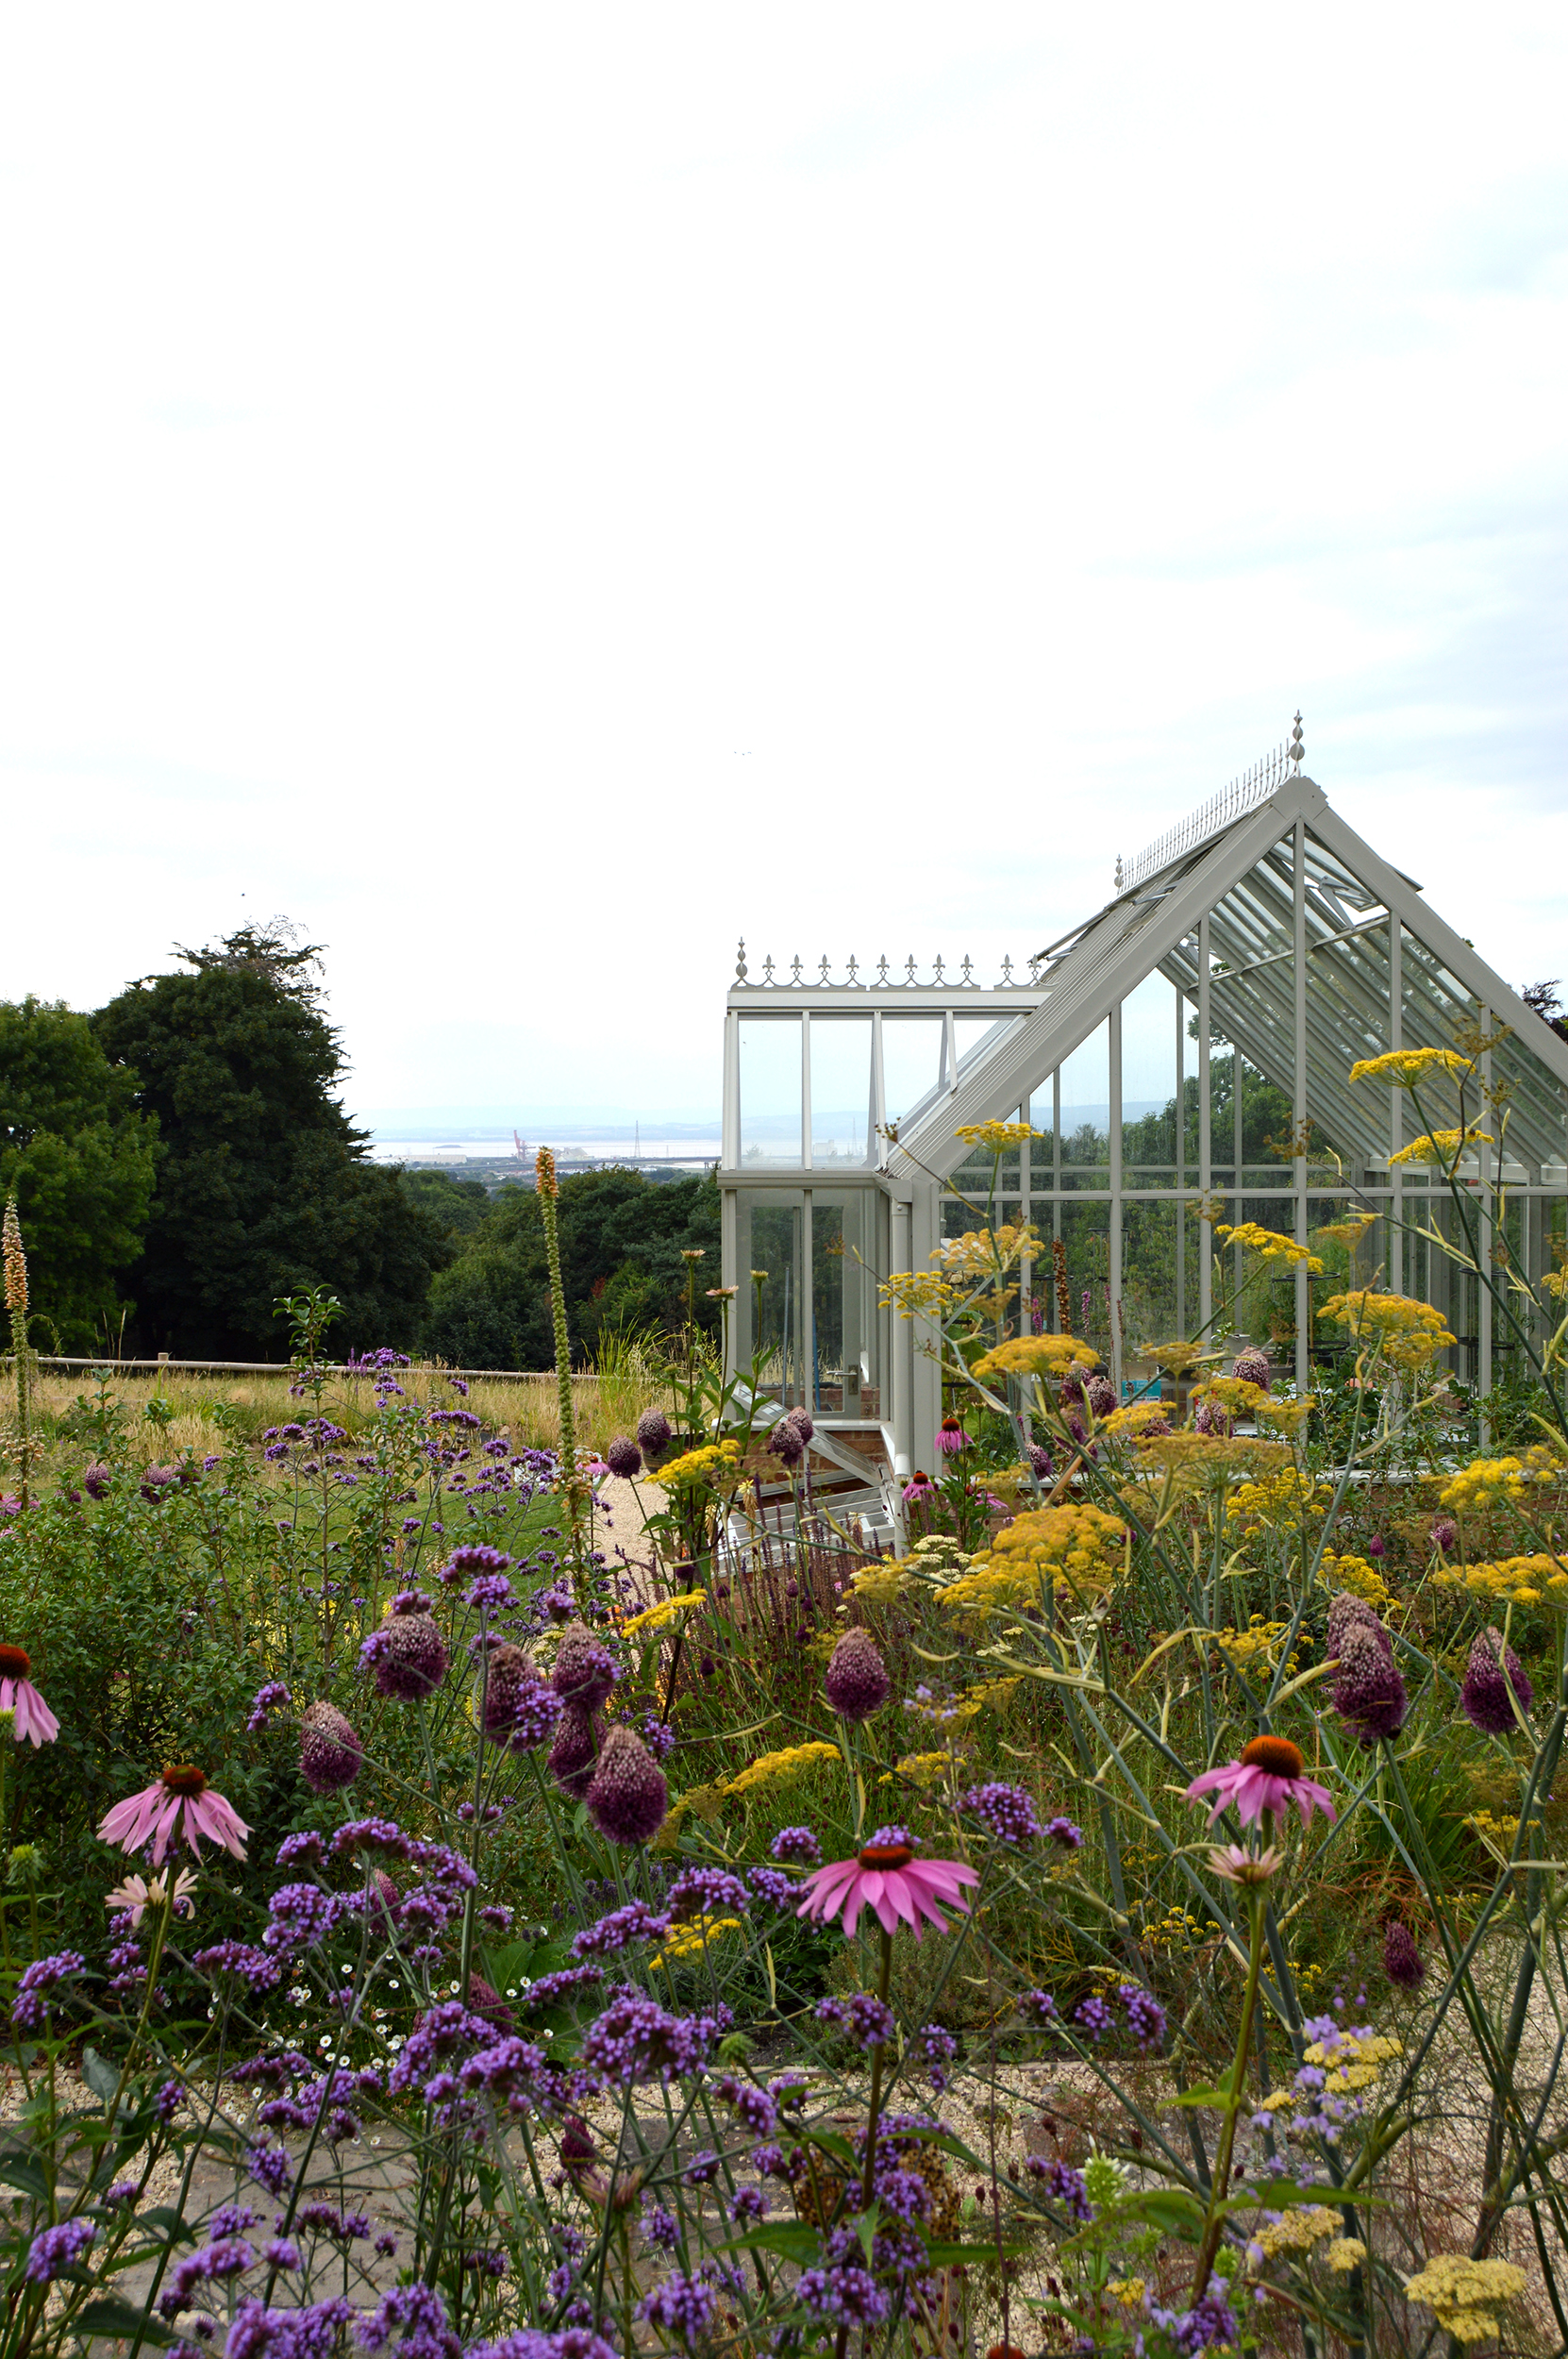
[533, 492]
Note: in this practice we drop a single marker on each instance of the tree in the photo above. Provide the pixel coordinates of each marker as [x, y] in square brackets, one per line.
[264, 1186]
[459, 1205]
[80, 1153]
[622, 1242]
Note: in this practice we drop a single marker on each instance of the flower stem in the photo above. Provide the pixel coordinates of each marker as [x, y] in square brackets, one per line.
[1220, 2183]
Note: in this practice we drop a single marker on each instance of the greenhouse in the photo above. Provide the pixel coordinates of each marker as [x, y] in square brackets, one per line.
[1183, 1058]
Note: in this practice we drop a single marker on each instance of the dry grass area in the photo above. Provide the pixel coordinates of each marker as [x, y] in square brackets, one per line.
[526, 1408]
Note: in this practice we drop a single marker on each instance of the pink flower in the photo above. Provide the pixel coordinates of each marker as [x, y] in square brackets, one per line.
[888, 1879]
[951, 1437]
[1267, 1777]
[154, 1815]
[34, 1720]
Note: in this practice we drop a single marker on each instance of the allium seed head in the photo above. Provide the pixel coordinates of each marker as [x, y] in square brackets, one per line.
[623, 1458]
[329, 1752]
[575, 1749]
[408, 1655]
[1401, 1959]
[627, 1797]
[1493, 1669]
[1369, 1694]
[654, 1433]
[1252, 1366]
[857, 1683]
[585, 1670]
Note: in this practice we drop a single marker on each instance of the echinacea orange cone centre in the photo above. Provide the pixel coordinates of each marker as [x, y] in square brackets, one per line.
[1276, 1755]
[181, 1777]
[886, 1855]
[15, 1663]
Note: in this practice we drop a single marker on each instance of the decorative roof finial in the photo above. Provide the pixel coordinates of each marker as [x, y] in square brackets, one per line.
[1118, 871]
[1298, 747]
[740, 961]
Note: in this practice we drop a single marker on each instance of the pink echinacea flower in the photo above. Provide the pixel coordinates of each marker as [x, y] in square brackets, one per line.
[1267, 1777]
[155, 1814]
[886, 1877]
[34, 1722]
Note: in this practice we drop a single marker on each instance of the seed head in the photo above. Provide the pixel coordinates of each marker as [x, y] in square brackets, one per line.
[329, 1752]
[1369, 1694]
[623, 1458]
[627, 1797]
[1493, 1669]
[15, 1259]
[575, 1751]
[407, 1655]
[1401, 1959]
[857, 1683]
[585, 1670]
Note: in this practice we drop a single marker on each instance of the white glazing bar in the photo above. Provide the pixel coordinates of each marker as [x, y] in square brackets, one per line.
[732, 1088]
[1052, 1312]
[878, 1093]
[1025, 1267]
[1180, 1164]
[899, 1333]
[1397, 1253]
[1303, 1280]
[1206, 1143]
[1114, 1239]
[729, 1258]
[806, 1090]
[1483, 1293]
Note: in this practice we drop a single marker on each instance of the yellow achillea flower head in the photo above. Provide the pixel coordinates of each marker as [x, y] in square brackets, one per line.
[1408, 1065]
[1135, 1418]
[1035, 1355]
[1513, 1580]
[1078, 1547]
[713, 1464]
[660, 1615]
[1345, 2254]
[689, 1941]
[1464, 2294]
[996, 1137]
[1298, 2231]
[1408, 1334]
[1356, 1573]
[1268, 1242]
[768, 1769]
[1441, 1146]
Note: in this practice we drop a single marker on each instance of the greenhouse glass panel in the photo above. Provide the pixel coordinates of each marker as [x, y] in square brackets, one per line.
[1149, 1086]
[1085, 1122]
[770, 1090]
[911, 1061]
[840, 1090]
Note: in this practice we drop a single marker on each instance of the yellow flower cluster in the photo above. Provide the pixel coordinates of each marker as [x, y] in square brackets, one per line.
[1176, 1930]
[768, 1769]
[1345, 2254]
[689, 1941]
[1241, 1647]
[1289, 1416]
[981, 1253]
[923, 1769]
[1284, 1498]
[1464, 2294]
[1232, 1393]
[1077, 1546]
[880, 1584]
[1135, 1418]
[1490, 1481]
[1298, 2231]
[996, 1137]
[711, 1466]
[1268, 1242]
[1409, 1065]
[1515, 1580]
[1356, 1573]
[918, 1294]
[1129, 2291]
[1035, 1355]
[660, 1615]
[1440, 1147]
[1350, 1230]
[1407, 1333]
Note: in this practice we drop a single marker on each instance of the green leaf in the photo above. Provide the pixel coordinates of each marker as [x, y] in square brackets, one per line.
[949, 2256]
[16, 2170]
[1171, 2210]
[100, 2075]
[112, 2314]
[832, 2144]
[1219, 2095]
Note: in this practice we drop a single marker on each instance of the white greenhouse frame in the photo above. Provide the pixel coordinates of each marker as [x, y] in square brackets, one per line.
[1283, 939]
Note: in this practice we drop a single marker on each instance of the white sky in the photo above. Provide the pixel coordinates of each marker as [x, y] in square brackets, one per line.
[533, 492]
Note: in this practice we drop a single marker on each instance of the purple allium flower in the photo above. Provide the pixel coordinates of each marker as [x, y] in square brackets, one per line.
[506, 1672]
[784, 1443]
[1445, 1534]
[623, 1459]
[1040, 1462]
[1376, 1546]
[1100, 1393]
[329, 1752]
[654, 1433]
[1252, 1366]
[1005, 1811]
[856, 1681]
[1063, 1832]
[97, 1479]
[273, 1698]
[797, 1843]
[1346, 1612]
[1145, 2015]
[575, 1751]
[585, 1670]
[1213, 1421]
[1494, 1670]
[57, 2249]
[158, 1482]
[627, 1796]
[1402, 1962]
[1369, 1694]
[408, 1655]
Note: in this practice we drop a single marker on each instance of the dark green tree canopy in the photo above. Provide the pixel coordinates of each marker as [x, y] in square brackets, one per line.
[79, 1152]
[264, 1185]
[622, 1239]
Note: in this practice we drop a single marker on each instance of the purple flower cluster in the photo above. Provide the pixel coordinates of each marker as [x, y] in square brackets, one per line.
[939, 2048]
[754, 2107]
[30, 2008]
[798, 1844]
[680, 2305]
[619, 1929]
[772, 1885]
[57, 2249]
[1369, 1694]
[251, 1967]
[1492, 1671]
[314, 2331]
[268, 1699]
[1006, 1812]
[636, 2040]
[705, 1892]
[847, 2293]
[869, 2022]
[420, 2311]
[659, 1736]
[1145, 2015]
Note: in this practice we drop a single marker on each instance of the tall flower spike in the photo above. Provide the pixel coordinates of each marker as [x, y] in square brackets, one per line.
[329, 1752]
[627, 1797]
[857, 1683]
[1493, 1669]
[14, 1258]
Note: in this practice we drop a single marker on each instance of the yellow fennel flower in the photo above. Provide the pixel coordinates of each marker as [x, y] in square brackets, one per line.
[1078, 1547]
[660, 1615]
[996, 1137]
[1035, 1355]
[1464, 2295]
[1268, 1242]
[1407, 1332]
[1441, 1146]
[1408, 1065]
